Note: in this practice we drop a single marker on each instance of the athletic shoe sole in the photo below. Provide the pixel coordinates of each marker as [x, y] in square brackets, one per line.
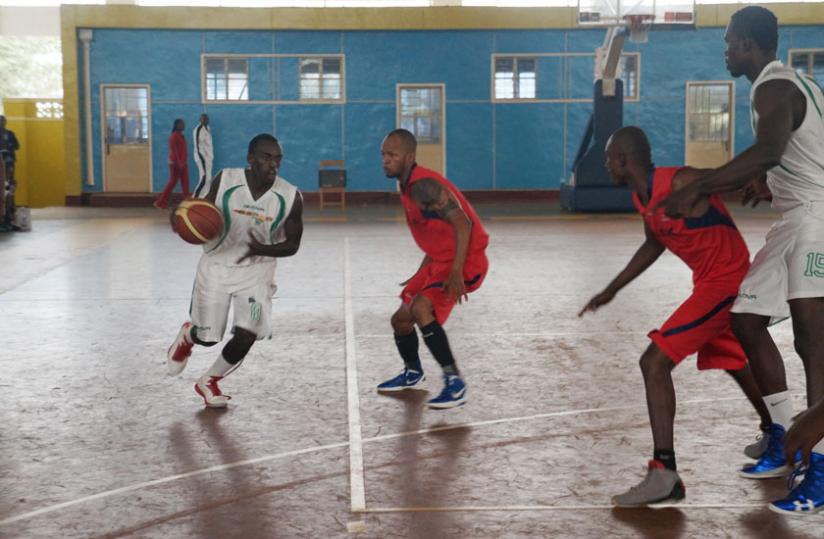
[795, 513]
[207, 403]
[402, 388]
[783, 471]
[673, 498]
[446, 405]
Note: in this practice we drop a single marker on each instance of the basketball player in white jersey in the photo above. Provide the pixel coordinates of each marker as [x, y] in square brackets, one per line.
[262, 216]
[787, 274]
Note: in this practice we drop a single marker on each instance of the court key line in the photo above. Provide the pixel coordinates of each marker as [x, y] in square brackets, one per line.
[298, 452]
[357, 482]
[584, 507]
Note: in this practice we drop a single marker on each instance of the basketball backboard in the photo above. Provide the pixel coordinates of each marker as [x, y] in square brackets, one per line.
[602, 13]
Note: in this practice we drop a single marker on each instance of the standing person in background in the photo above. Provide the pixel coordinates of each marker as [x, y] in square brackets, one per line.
[8, 146]
[178, 165]
[203, 155]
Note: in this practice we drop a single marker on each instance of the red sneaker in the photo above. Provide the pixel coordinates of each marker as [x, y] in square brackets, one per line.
[179, 351]
[206, 386]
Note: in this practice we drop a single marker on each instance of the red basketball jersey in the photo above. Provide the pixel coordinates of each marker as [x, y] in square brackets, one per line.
[710, 245]
[433, 235]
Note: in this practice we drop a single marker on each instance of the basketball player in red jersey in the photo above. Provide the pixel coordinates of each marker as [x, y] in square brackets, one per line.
[448, 231]
[710, 244]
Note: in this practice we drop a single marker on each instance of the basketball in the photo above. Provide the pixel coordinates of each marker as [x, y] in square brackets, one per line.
[198, 221]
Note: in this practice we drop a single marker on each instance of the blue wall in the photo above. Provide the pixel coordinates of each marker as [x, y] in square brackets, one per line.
[489, 145]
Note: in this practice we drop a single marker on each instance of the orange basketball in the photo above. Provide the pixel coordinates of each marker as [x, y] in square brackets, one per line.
[198, 221]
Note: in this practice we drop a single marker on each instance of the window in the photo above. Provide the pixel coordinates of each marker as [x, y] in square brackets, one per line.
[127, 115]
[566, 77]
[420, 113]
[515, 78]
[321, 78]
[49, 109]
[227, 79]
[809, 62]
[708, 111]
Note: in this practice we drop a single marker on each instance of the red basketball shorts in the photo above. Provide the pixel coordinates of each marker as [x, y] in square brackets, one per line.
[702, 324]
[430, 279]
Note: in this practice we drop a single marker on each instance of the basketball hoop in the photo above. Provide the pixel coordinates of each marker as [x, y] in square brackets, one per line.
[639, 26]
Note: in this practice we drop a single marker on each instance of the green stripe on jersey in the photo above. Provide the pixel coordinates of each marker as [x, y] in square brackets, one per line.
[809, 92]
[278, 219]
[227, 215]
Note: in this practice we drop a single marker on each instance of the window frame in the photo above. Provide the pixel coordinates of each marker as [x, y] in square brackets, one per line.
[298, 56]
[494, 99]
[322, 58]
[809, 53]
[516, 72]
[204, 76]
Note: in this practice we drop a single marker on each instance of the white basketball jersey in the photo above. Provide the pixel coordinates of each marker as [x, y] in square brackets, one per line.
[242, 214]
[799, 178]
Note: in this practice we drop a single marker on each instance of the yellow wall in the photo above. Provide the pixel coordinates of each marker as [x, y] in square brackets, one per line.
[40, 168]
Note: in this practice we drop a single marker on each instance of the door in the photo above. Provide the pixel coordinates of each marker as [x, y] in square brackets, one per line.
[421, 111]
[127, 155]
[710, 119]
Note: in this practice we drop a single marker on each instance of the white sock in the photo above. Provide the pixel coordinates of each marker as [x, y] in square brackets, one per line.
[819, 447]
[220, 367]
[780, 406]
[189, 336]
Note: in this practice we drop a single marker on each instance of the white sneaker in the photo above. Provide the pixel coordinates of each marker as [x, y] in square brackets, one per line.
[659, 486]
[180, 350]
[757, 449]
[206, 386]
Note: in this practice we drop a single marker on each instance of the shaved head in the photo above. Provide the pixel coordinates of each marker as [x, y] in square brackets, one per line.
[631, 141]
[407, 139]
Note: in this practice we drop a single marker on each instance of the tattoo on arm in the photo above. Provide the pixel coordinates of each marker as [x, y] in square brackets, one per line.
[431, 196]
[426, 192]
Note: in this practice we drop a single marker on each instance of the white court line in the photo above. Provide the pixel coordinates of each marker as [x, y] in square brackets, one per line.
[594, 333]
[357, 487]
[514, 508]
[297, 452]
[168, 479]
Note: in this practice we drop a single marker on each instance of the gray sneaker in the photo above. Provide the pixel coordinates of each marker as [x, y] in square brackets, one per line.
[661, 485]
[757, 449]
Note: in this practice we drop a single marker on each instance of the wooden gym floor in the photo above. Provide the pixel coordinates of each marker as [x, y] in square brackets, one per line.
[97, 441]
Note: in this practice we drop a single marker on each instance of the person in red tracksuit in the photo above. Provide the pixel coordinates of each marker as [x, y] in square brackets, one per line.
[453, 239]
[178, 165]
[709, 243]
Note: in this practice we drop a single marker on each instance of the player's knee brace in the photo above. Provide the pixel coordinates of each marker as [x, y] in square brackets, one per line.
[238, 346]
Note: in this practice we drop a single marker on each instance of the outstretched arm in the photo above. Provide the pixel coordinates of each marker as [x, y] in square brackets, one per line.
[430, 196]
[777, 104]
[294, 231]
[643, 258]
[807, 429]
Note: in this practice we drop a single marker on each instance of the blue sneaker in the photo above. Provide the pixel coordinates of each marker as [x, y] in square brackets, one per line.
[405, 380]
[772, 463]
[808, 497]
[453, 394]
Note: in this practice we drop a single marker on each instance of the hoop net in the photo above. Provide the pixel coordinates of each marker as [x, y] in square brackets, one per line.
[639, 26]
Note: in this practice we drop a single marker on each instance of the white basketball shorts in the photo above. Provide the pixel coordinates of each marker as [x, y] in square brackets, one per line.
[789, 266]
[248, 289]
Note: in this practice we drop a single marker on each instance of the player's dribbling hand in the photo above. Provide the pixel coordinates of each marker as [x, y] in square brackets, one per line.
[807, 429]
[597, 301]
[755, 192]
[455, 288]
[254, 248]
